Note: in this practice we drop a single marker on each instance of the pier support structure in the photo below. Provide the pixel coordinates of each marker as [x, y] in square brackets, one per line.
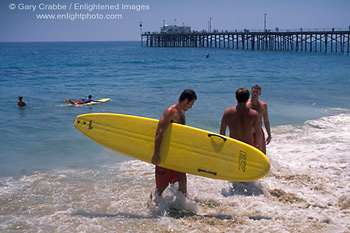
[334, 41]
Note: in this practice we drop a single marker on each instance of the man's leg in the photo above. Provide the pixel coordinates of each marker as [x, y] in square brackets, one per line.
[162, 179]
[69, 101]
[159, 191]
[183, 186]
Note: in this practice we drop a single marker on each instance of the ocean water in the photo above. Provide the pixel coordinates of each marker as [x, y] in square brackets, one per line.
[54, 179]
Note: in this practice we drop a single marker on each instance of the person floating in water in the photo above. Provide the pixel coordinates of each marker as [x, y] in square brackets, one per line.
[207, 55]
[20, 102]
[82, 101]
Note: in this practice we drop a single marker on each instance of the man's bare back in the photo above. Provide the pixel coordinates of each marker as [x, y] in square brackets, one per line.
[242, 120]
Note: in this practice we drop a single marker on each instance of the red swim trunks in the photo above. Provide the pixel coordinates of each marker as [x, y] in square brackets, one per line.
[79, 102]
[255, 143]
[165, 176]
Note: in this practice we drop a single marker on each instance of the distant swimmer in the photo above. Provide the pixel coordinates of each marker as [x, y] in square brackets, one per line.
[261, 108]
[242, 120]
[207, 55]
[20, 102]
[82, 101]
[173, 114]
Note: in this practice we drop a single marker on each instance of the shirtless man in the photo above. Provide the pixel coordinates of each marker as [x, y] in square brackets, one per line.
[176, 114]
[242, 120]
[261, 108]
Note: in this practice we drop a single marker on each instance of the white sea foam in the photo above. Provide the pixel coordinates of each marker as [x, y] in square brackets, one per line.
[307, 190]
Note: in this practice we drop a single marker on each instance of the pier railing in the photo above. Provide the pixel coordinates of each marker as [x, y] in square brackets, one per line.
[312, 40]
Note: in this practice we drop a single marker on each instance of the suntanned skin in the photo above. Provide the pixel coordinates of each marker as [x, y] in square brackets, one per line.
[176, 114]
[241, 120]
[261, 108]
[69, 101]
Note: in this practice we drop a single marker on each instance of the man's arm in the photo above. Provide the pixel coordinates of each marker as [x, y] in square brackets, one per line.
[267, 124]
[258, 132]
[163, 124]
[223, 124]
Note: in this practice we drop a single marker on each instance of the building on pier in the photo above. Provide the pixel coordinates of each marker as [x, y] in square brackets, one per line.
[175, 29]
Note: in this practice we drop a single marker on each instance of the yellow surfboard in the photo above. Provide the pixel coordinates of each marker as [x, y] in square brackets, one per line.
[184, 148]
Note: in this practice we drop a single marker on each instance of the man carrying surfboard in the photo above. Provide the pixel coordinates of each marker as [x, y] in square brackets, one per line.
[242, 120]
[261, 108]
[173, 114]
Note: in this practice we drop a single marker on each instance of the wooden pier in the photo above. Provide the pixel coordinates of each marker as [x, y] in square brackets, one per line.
[334, 41]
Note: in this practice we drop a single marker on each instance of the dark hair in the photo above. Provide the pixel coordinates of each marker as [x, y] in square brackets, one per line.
[256, 86]
[188, 94]
[90, 96]
[242, 95]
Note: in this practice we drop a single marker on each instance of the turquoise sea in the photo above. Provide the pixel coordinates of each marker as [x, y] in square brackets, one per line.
[54, 179]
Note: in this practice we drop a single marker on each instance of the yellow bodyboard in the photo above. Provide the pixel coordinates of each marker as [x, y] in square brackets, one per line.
[184, 148]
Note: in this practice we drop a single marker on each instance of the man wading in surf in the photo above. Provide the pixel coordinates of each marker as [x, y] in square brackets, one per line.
[173, 114]
[261, 108]
[242, 120]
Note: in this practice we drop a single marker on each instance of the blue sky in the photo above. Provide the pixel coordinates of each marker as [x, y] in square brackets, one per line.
[18, 24]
